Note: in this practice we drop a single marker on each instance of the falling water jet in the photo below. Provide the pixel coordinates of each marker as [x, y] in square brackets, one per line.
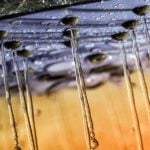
[131, 25]
[147, 35]
[121, 37]
[92, 143]
[141, 75]
[13, 45]
[98, 58]
[143, 11]
[25, 54]
[68, 43]
[3, 36]
[24, 103]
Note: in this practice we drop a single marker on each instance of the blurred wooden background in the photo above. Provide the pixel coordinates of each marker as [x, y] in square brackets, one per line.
[59, 120]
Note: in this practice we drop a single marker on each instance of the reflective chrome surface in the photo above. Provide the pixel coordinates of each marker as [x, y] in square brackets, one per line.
[42, 34]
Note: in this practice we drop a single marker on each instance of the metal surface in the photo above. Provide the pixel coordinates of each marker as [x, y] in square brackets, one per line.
[42, 34]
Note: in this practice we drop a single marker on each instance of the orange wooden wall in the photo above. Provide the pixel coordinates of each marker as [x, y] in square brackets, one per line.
[59, 120]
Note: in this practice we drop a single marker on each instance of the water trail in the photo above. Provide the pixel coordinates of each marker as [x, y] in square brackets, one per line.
[131, 98]
[87, 134]
[146, 33]
[8, 98]
[23, 103]
[141, 74]
[90, 135]
[30, 107]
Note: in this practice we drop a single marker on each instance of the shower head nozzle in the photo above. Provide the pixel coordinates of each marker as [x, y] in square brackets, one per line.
[141, 11]
[12, 44]
[3, 35]
[131, 24]
[120, 36]
[70, 20]
[96, 58]
[24, 53]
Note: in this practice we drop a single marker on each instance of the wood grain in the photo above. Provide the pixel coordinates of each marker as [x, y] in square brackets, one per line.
[59, 121]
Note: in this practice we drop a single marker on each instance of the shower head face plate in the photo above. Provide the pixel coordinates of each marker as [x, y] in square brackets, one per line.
[42, 34]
